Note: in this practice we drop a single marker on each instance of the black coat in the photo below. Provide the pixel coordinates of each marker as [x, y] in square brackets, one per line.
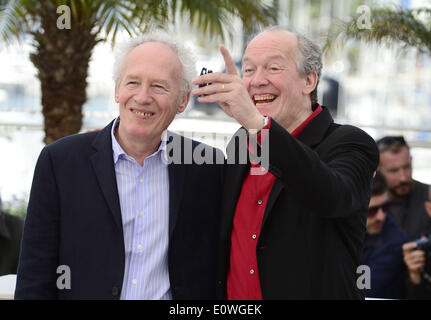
[74, 219]
[314, 223]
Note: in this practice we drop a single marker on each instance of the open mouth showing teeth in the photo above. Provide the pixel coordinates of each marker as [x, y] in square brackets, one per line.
[142, 114]
[263, 99]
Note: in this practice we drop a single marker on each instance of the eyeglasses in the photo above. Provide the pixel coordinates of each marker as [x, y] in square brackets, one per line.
[386, 142]
[372, 211]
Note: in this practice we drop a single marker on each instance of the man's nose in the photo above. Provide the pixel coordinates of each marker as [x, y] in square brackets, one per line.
[381, 214]
[143, 96]
[259, 78]
[402, 175]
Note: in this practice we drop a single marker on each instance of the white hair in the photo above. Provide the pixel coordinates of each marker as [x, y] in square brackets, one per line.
[184, 54]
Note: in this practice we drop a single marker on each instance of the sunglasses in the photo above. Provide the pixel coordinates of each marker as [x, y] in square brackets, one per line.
[372, 211]
[386, 142]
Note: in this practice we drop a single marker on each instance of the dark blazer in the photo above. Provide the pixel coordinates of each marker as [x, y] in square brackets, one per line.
[10, 242]
[313, 227]
[74, 219]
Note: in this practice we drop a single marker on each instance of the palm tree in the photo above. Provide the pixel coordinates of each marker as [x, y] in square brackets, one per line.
[387, 25]
[62, 54]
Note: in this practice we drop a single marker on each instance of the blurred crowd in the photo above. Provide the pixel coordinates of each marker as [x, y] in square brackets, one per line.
[397, 242]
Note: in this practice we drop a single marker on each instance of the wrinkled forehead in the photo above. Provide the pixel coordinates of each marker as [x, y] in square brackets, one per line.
[156, 54]
[272, 44]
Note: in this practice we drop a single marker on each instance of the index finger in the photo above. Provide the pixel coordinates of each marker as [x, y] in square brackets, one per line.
[409, 246]
[228, 61]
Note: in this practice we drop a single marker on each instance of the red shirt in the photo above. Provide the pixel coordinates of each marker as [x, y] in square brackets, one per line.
[243, 277]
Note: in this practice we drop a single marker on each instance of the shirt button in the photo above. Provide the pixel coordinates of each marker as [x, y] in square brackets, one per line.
[134, 281]
[259, 201]
[251, 271]
[141, 180]
[254, 236]
[141, 213]
[139, 246]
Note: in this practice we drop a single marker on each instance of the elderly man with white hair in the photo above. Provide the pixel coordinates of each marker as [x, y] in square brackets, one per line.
[296, 231]
[110, 215]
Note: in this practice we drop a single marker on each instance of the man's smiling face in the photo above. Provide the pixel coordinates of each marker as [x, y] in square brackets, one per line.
[148, 92]
[271, 76]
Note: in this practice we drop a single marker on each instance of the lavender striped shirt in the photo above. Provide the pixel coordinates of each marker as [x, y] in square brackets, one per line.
[144, 200]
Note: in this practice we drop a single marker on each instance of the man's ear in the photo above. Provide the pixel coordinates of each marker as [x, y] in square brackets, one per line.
[183, 103]
[117, 100]
[310, 83]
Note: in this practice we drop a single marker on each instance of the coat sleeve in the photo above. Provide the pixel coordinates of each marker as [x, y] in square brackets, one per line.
[335, 182]
[36, 276]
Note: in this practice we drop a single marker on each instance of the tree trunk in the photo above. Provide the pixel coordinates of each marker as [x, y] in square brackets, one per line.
[62, 57]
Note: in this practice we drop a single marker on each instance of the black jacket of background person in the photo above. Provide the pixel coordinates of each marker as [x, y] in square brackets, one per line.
[314, 224]
[74, 219]
[10, 242]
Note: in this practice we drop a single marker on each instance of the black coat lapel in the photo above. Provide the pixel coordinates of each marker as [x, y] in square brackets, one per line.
[312, 135]
[177, 173]
[315, 131]
[236, 170]
[176, 187]
[103, 165]
[273, 195]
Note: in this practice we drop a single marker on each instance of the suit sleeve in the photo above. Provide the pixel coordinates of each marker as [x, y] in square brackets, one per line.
[36, 276]
[336, 186]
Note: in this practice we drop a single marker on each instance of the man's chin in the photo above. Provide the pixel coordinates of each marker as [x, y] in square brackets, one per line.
[401, 192]
[376, 229]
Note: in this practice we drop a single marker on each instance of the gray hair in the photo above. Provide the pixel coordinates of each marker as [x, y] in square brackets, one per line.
[310, 60]
[310, 57]
[186, 57]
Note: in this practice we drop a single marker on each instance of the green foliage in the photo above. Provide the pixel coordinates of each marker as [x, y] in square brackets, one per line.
[107, 17]
[17, 206]
[389, 25]
[92, 21]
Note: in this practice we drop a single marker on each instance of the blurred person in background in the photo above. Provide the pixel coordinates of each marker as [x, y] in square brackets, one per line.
[409, 198]
[10, 241]
[383, 243]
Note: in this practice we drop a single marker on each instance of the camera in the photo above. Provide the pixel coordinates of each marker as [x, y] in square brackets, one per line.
[204, 71]
[425, 245]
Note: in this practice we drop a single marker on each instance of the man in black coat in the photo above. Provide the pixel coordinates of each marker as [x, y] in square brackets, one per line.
[120, 213]
[294, 213]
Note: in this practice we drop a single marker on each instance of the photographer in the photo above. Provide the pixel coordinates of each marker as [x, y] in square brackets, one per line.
[415, 257]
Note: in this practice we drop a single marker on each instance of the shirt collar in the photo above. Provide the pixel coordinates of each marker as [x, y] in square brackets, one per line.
[117, 150]
[316, 110]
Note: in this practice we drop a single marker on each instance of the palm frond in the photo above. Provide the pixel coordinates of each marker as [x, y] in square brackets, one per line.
[214, 18]
[10, 22]
[388, 26]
